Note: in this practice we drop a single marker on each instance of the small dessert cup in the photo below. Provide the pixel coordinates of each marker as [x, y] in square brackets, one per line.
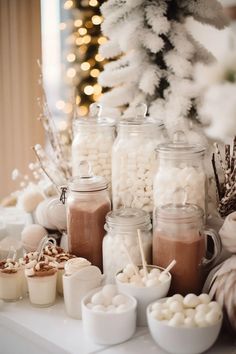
[42, 281]
[77, 285]
[144, 295]
[11, 285]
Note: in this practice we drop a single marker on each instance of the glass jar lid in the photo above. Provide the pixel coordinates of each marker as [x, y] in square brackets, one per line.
[128, 219]
[95, 118]
[179, 148]
[179, 213]
[86, 181]
[141, 119]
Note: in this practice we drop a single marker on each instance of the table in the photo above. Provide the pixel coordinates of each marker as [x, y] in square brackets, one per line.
[26, 329]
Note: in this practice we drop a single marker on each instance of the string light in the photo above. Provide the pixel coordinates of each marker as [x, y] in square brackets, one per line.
[102, 40]
[71, 72]
[93, 3]
[79, 41]
[94, 73]
[78, 23]
[78, 100]
[98, 57]
[82, 110]
[82, 31]
[87, 39]
[71, 57]
[97, 89]
[68, 4]
[85, 66]
[68, 108]
[97, 20]
[88, 90]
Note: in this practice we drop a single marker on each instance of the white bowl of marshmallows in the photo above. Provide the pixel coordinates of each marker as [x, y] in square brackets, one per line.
[109, 317]
[185, 325]
[145, 288]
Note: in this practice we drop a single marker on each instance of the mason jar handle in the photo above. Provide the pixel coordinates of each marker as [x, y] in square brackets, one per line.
[217, 246]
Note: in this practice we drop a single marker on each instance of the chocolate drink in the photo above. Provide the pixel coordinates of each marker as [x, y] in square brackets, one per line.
[85, 222]
[187, 273]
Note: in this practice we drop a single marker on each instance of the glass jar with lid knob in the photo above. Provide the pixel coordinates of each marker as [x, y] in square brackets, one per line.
[121, 227]
[134, 160]
[180, 165]
[93, 140]
[87, 205]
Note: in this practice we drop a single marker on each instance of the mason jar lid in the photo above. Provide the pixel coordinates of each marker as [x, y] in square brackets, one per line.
[128, 219]
[178, 213]
[145, 121]
[86, 181]
[95, 118]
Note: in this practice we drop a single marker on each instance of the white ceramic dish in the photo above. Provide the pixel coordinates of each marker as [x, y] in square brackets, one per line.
[77, 285]
[182, 340]
[108, 328]
[145, 295]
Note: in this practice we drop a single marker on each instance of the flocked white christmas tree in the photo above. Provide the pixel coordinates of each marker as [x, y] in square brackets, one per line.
[154, 54]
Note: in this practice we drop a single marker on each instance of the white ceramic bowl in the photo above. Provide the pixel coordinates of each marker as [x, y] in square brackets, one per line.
[145, 295]
[182, 340]
[108, 328]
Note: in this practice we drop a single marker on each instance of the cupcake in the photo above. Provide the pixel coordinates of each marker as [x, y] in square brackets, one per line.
[42, 279]
[11, 280]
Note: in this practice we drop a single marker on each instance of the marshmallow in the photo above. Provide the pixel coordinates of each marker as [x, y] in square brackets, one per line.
[191, 300]
[94, 147]
[204, 298]
[195, 315]
[119, 300]
[188, 178]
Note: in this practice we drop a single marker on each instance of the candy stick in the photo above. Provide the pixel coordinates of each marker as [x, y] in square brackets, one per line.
[142, 254]
[131, 262]
[170, 266]
[45, 241]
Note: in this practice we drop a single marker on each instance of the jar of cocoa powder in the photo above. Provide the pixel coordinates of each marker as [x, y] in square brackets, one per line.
[121, 226]
[88, 203]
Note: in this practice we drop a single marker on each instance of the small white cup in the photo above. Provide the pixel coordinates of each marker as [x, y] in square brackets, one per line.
[77, 285]
[11, 286]
[145, 295]
[42, 290]
[108, 328]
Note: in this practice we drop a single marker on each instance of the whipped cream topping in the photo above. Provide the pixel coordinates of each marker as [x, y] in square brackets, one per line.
[75, 264]
[52, 250]
[31, 257]
[41, 268]
[9, 266]
[63, 257]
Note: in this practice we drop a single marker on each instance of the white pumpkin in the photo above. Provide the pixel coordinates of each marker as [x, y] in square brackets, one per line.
[31, 236]
[51, 214]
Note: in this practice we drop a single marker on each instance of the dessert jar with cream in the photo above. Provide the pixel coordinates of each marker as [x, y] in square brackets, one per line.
[42, 281]
[179, 234]
[88, 203]
[80, 278]
[11, 280]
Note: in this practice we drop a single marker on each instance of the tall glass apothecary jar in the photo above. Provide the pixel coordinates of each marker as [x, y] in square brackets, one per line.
[93, 140]
[87, 205]
[180, 166]
[121, 227]
[134, 161]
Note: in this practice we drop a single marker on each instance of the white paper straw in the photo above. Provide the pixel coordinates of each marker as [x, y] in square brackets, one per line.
[131, 262]
[142, 254]
[170, 266]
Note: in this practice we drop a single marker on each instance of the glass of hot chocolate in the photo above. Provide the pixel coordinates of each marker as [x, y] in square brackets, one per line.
[179, 234]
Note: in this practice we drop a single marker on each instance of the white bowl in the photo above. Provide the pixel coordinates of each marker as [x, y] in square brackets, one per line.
[182, 340]
[145, 295]
[108, 328]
